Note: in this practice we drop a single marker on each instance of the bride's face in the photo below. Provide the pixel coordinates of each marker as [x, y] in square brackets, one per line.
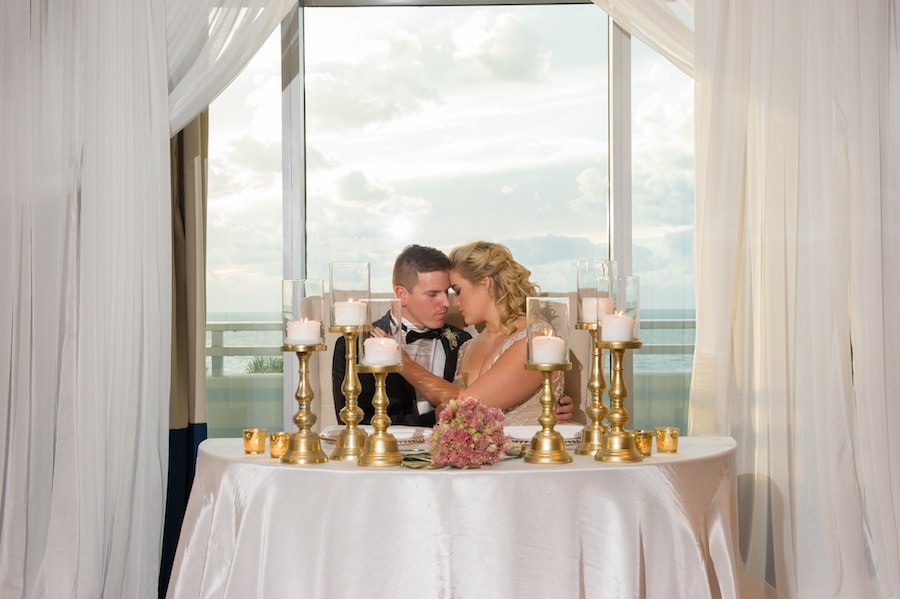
[472, 299]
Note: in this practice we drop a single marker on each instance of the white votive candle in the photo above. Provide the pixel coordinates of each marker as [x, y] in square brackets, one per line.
[381, 351]
[350, 313]
[548, 349]
[303, 332]
[616, 327]
[592, 307]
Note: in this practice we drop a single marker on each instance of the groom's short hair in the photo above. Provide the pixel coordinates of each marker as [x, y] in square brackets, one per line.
[415, 259]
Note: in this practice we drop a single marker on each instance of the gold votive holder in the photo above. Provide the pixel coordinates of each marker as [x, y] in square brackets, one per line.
[278, 443]
[667, 439]
[254, 440]
[643, 440]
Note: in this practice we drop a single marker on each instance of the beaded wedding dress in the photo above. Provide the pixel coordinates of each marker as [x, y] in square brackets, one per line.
[526, 412]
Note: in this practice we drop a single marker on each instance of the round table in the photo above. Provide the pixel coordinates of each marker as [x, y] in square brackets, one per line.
[257, 528]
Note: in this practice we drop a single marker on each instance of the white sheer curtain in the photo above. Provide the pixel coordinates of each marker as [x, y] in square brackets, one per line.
[85, 256]
[209, 42]
[665, 25]
[798, 275]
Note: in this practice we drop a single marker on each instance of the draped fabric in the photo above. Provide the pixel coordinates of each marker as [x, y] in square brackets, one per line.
[798, 279]
[85, 303]
[187, 401]
[86, 238]
[208, 43]
[664, 25]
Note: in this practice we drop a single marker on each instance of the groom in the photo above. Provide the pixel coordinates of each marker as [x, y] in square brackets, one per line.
[421, 280]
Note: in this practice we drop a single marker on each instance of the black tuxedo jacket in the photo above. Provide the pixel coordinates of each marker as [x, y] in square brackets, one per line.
[402, 408]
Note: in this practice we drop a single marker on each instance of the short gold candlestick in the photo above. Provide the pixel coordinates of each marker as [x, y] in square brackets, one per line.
[350, 441]
[592, 433]
[547, 445]
[304, 446]
[381, 448]
[618, 444]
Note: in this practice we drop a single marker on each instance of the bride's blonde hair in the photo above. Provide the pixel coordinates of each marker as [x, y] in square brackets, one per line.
[479, 259]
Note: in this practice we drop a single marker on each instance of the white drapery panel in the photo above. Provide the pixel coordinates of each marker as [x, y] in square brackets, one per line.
[85, 303]
[664, 25]
[209, 42]
[797, 246]
[86, 257]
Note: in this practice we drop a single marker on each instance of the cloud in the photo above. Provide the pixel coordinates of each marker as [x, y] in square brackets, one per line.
[593, 189]
[388, 82]
[317, 160]
[357, 192]
[663, 192]
[504, 45]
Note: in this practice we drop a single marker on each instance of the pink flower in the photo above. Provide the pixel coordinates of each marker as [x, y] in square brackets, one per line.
[468, 433]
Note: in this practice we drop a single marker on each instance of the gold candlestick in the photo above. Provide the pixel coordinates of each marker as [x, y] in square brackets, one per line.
[618, 444]
[350, 441]
[547, 445]
[381, 448]
[592, 433]
[304, 446]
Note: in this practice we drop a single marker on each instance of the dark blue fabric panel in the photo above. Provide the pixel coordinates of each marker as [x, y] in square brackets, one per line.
[183, 444]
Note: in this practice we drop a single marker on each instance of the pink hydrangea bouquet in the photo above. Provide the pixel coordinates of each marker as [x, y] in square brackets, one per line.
[468, 434]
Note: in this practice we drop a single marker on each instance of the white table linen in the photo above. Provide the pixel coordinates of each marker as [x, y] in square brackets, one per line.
[663, 528]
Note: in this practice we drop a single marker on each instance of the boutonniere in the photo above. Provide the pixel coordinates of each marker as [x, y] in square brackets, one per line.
[451, 337]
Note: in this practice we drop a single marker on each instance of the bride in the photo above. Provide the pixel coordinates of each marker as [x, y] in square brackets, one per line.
[491, 290]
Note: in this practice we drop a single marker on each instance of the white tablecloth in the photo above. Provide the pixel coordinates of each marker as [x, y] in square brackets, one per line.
[256, 528]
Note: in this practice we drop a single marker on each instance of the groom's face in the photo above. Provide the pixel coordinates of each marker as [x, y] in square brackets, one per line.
[426, 304]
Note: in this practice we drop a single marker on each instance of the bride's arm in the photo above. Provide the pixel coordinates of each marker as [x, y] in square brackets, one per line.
[507, 383]
[434, 388]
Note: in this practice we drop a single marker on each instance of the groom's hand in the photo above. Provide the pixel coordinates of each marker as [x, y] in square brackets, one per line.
[564, 408]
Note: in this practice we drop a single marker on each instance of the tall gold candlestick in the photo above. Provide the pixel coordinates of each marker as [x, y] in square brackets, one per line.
[350, 441]
[592, 433]
[304, 446]
[618, 444]
[547, 445]
[381, 448]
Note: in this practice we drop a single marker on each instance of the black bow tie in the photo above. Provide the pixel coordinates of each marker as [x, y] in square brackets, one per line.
[412, 336]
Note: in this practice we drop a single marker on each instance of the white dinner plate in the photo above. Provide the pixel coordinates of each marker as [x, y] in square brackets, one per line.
[403, 434]
[570, 432]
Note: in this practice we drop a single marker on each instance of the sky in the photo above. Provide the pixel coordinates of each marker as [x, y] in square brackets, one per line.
[443, 125]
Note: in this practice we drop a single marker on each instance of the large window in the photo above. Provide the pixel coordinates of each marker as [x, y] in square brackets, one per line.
[441, 125]
[662, 235]
[244, 250]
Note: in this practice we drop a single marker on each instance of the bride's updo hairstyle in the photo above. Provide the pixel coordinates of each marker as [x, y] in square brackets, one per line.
[479, 259]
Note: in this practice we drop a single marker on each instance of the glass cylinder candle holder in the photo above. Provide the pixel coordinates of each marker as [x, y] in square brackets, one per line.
[349, 284]
[592, 301]
[380, 341]
[303, 311]
[623, 324]
[547, 334]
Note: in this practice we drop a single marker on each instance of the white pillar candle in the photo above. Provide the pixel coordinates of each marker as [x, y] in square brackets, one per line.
[548, 349]
[380, 351]
[303, 332]
[595, 306]
[349, 313]
[616, 327]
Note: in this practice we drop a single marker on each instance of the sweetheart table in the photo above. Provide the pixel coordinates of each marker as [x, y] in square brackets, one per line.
[663, 528]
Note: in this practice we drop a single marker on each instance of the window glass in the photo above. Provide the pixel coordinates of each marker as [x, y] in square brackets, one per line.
[442, 125]
[244, 250]
[662, 236]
